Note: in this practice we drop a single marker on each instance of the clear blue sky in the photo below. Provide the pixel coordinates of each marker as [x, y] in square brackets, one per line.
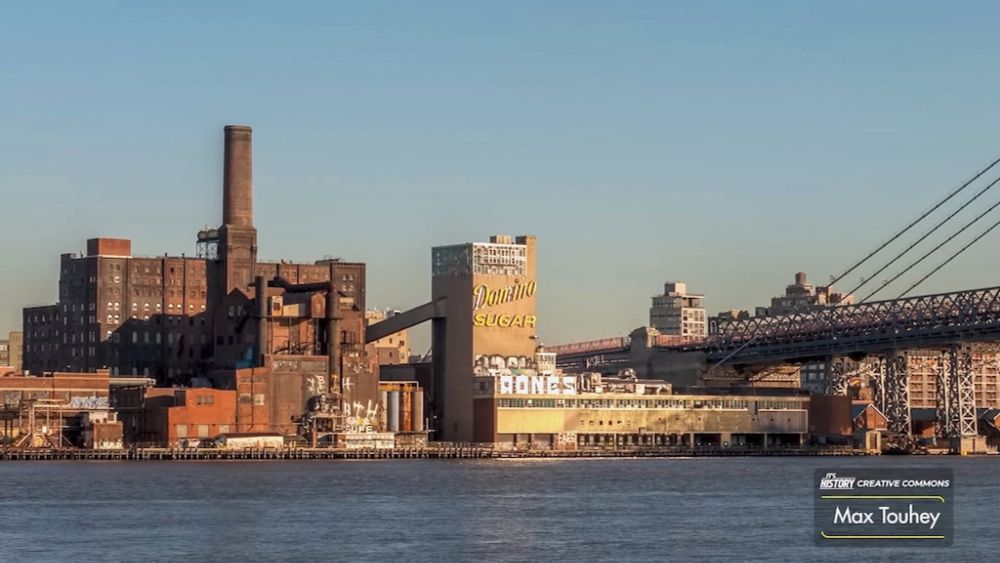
[724, 144]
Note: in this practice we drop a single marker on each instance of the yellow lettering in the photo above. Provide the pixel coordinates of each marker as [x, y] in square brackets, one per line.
[479, 296]
[504, 320]
[491, 320]
[529, 321]
[479, 319]
[517, 321]
[483, 296]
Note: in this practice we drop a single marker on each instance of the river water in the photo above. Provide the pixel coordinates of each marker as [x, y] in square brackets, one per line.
[424, 510]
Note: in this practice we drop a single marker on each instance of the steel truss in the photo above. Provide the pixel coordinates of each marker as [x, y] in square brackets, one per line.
[840, 371]
[903, 323]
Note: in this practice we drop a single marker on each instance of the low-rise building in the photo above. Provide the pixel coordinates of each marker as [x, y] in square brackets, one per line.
[169, 417]
[549, 409]
[55, 411]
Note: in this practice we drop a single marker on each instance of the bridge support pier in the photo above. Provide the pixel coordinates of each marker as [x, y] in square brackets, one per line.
[956, 394]
[961, 392]
[892, 395]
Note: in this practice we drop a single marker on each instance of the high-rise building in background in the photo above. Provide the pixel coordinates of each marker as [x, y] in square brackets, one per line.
[678, 313]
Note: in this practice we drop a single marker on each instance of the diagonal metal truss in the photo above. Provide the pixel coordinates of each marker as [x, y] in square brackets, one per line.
[841, 371]
[903, 323]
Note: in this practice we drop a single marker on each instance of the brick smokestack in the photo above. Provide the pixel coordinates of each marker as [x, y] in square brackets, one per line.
[237, 177]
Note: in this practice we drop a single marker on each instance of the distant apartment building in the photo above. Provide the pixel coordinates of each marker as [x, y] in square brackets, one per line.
[799, 297]
[11, 350]
[393, 349]
[677, 312]
[803, 296]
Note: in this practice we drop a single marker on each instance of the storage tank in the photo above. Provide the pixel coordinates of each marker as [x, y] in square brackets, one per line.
[418, 411]
[393, 411]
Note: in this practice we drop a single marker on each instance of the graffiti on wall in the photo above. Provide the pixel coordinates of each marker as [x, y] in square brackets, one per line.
[360, 417]
[485, 363]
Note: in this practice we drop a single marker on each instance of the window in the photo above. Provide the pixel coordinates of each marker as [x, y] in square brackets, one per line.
[258, 399]
[182, 431]
[203, 431]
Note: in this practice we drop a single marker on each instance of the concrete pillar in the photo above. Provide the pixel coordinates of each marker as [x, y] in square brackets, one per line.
[393, 411]
[418, 411]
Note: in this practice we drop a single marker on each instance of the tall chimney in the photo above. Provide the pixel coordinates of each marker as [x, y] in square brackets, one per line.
[237, 179]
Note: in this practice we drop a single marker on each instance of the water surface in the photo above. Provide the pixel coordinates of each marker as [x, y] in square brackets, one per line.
[427, 510]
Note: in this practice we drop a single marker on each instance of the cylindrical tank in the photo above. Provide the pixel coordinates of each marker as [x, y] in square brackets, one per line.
[383, 416]
[418, 411]
[393, 411]
[405, 412]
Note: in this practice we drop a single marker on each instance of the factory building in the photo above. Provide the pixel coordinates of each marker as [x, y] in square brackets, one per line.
[490, 289]
[545, 408]
[287, 337]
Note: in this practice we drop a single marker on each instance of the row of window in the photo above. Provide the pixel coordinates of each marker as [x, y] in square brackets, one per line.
[660, 403]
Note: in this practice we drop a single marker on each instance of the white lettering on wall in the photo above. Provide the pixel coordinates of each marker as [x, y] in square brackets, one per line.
[537, 385]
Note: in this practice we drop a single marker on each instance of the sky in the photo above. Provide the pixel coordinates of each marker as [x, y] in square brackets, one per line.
[725, 144]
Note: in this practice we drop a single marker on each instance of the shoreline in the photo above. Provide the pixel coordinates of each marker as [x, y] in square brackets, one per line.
[290, 454]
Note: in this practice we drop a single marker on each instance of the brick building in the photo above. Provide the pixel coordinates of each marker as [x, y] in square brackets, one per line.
[176, 417]
[174, 318]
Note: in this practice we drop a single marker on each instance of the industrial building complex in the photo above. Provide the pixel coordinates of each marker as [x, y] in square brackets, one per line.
[221, 349]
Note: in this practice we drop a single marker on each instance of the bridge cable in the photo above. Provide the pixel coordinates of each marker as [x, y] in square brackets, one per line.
[952, 257]
[920, 240]
[933, 250]
[912, 224]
